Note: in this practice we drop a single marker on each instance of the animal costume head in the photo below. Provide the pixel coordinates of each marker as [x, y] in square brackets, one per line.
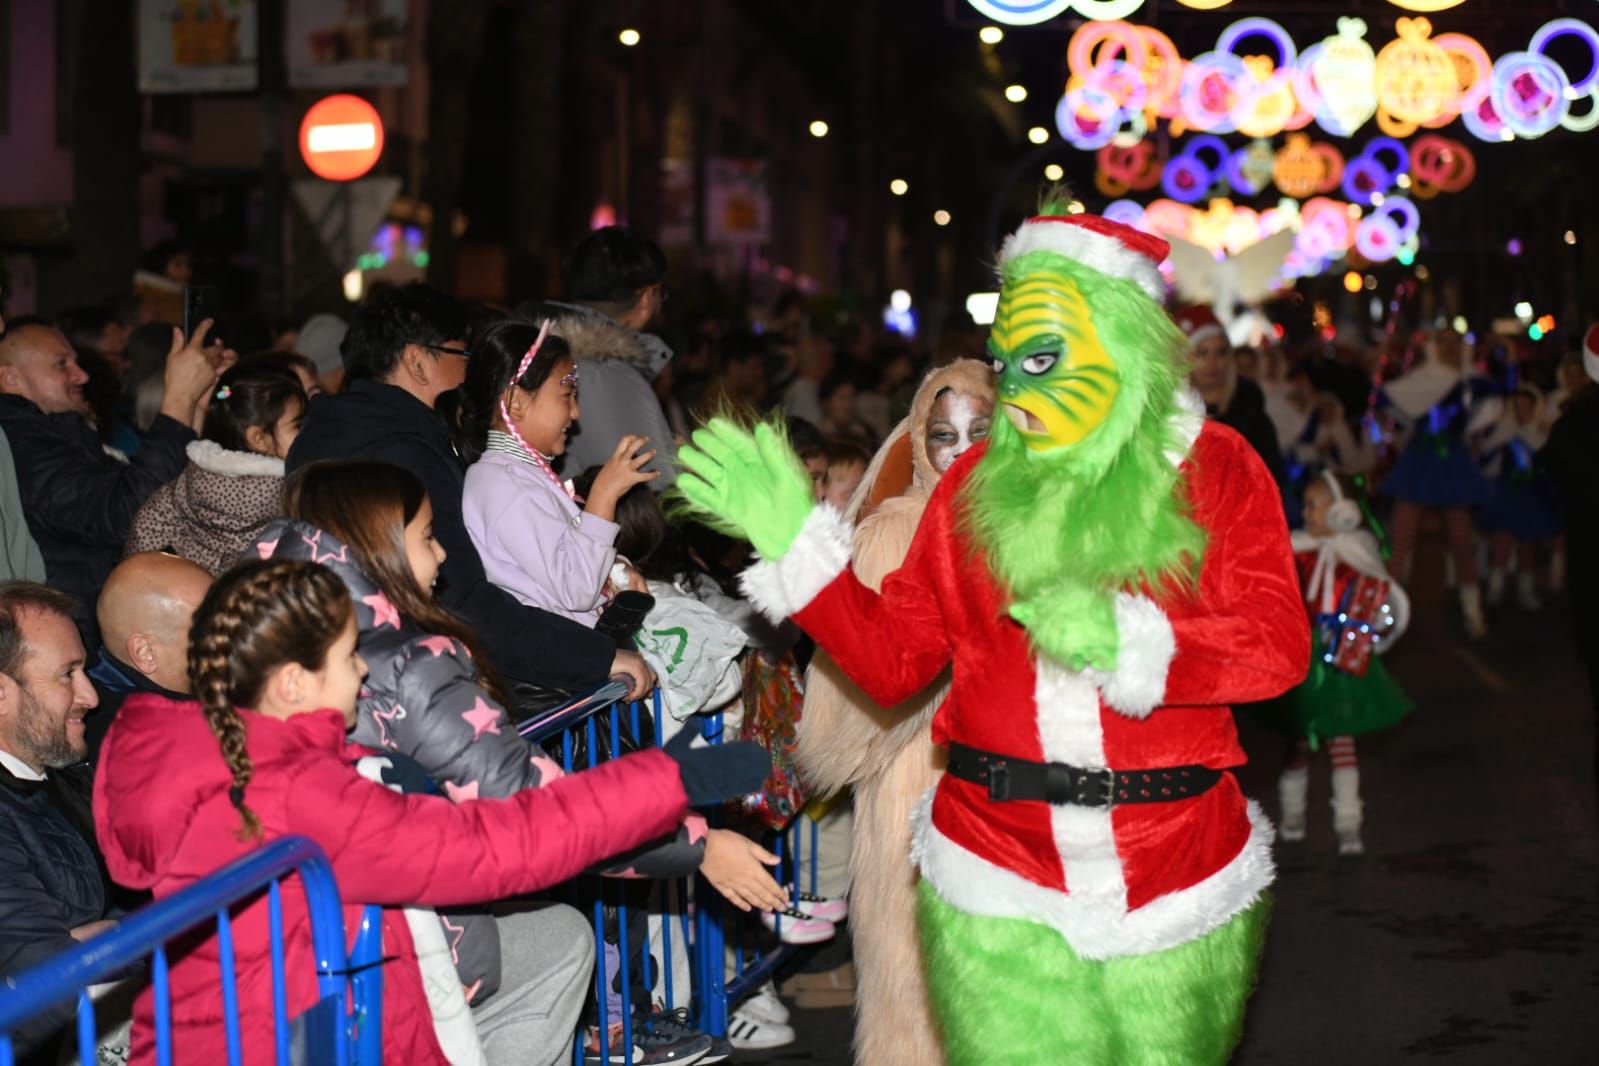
[1079, 497]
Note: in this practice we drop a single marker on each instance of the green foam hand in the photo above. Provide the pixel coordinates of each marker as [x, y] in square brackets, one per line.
[750, 485]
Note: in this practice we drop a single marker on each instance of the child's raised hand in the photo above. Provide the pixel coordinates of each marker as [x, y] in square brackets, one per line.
[621, 472]
[736, 867]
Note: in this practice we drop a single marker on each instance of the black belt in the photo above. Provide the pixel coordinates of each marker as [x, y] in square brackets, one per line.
[1007, 778]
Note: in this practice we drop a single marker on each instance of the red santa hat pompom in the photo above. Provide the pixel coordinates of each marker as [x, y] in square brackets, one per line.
[1590, 352]
[1198, 323]
[1108, 247]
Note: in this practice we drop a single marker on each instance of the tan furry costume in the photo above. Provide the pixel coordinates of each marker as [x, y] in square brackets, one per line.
[845, 739]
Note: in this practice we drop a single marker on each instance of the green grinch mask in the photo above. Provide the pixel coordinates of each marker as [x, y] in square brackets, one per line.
[1056, 382]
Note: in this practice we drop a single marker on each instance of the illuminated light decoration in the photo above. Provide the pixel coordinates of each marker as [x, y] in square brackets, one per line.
[941, 217]
[1573, 28]
[1583, 123]
[1336, 79]
[1054, 172]
[1416, 79]
[1204, 5]
[1523, 311]
[1484, 123]
[1032, 12]
[1571, 236]
[1088, 118]
[1211, 90]
[341, 137]
[1546, 323]
[1264, 110]
[1404, 215]
[1530, 93]
[1377, 238]
[1439, 164]
[1426, 6]
[1422, 273]
[1122, 170]
[899, 186]
[818, 128]
[1186, 179]
[629, 37]
[1459, 324]
[1287, 52]
[1535, 332]
[1364, 177]
[1249, 169]
[1473, 73]
[982, 306]
[991, 35]
[1016, 93]
[899, 300]
[1513, 246]
[1127, 212]
[1038, 135]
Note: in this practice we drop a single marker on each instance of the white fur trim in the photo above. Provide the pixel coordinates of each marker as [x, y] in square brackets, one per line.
[1081, 244]
[1188, 420]
[210, 456]
[820, 552]
[1209, 329]
[1138, 684]
[1094, 924]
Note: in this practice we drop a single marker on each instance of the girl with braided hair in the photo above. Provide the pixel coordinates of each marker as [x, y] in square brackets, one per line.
[273, 658]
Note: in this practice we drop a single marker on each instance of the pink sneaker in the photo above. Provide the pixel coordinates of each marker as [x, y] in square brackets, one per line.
[794, 926]
[820, 907]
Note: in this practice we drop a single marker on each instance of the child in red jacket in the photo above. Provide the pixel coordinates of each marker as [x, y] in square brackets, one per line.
[280, 637]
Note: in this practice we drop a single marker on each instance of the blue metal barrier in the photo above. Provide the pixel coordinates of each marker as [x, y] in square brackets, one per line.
[335, 1035]
[706, 924]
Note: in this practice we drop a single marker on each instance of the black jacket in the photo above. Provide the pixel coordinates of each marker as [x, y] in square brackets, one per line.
[51, 879]
[80, 502]
[114, 682]
[1246, 412]
[371, 420]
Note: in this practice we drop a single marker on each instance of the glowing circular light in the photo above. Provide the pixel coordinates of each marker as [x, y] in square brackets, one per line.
[1571, 236]
[1127, 212]
[1513, 246]
[1038, 135]
[1352, 281]
[1530, 93]
[1583, 123]
[1015, 93]
[1426, 6]
[1535, 332]
[1395, 148]
[1378, 239]
[1422, 273]
[1524, 311]
[1404, 214]
[1107, 10]
[899, 300]
[1021, 12]
[818, 128]
[1186, 179]
[1363, 177]
[991, 35]
[1287, 53]
[1574, 28]
[1204, 5]
[941, 217]
[1473, 71]
[899, 186]
[1403, 181]
[629, 37]
[1054, 172]
[1212, 85]
[1096, 108]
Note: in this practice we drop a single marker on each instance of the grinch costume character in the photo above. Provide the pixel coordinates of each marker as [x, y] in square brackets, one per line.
[887, 755]
[1103, 579]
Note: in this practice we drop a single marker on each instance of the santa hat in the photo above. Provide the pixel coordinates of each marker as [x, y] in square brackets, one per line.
[1590, 352]
[1108, 247]
[1198, 322]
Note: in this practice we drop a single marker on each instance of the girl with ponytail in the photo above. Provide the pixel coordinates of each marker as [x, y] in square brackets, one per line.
[185, 787]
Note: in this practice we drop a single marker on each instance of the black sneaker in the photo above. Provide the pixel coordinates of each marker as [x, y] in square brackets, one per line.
[676, 1023]
[651, 1047]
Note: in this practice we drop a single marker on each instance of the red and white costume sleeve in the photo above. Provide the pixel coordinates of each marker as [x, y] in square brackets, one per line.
[1121, 881]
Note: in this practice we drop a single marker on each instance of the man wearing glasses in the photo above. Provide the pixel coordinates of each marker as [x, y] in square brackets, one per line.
[404, 350]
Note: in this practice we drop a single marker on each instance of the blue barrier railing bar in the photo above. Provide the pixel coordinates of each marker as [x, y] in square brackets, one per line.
[161, 989]
[230, 990]
[86, 1030]
[280, 997]
[366, 986]
[144, 931]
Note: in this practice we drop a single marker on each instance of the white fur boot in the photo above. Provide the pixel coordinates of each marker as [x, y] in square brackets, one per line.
[1291, 789]
[1346, 807]
[1496, 587]
[1471, 609]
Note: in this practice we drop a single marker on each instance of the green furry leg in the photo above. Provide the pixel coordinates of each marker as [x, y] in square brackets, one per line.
[1009, 990]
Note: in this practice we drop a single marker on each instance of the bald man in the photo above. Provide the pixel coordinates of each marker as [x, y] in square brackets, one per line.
[78, 501]
[144, 612]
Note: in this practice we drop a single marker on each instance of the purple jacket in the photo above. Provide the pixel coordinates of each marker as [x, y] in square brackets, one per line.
[535, 542]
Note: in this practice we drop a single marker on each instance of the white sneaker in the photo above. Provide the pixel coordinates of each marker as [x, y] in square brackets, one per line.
[750, 1033]
[794, 926]
[765, 1006]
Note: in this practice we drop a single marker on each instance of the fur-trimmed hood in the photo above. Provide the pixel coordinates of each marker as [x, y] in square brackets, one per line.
[210, 456]
[595, 336]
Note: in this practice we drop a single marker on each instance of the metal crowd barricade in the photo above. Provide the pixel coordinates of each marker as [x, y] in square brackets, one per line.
[343, 1028]
[593, 726]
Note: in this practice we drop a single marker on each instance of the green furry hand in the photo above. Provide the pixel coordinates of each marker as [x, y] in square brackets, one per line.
[750, 485]
[1074, 625]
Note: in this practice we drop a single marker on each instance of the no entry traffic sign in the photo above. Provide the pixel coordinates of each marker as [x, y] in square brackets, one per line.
[341, 137]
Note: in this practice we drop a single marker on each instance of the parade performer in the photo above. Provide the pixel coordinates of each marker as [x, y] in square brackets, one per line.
[1443, 400]
[1523, 517]
[1103, 578]
[887, 755]
[1357, 612]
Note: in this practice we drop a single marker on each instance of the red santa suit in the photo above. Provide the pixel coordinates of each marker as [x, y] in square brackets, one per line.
[1118, 880]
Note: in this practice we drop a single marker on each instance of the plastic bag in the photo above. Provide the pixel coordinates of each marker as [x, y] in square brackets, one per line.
[692, 650]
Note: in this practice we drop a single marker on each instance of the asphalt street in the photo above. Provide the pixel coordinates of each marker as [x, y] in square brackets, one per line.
[1469, 932]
